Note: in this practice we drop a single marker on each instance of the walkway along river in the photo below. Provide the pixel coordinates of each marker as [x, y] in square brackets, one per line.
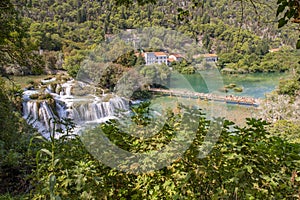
[230, 99]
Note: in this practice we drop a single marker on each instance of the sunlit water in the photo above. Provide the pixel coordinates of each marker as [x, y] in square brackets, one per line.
[253, 85]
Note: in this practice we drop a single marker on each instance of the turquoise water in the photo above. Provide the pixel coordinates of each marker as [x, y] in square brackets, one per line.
[253, 85]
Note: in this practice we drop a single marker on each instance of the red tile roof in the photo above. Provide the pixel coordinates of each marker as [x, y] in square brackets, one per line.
[160, 54]
[177, 55]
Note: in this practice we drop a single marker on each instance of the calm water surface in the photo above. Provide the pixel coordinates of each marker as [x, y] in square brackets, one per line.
[253, 85]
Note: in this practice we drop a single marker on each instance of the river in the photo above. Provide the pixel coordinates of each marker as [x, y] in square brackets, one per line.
[38, 112]
[254, 85]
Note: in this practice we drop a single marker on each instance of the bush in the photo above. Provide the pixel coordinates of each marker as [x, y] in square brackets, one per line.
[245, 163]
[289, 87]
[14, 140]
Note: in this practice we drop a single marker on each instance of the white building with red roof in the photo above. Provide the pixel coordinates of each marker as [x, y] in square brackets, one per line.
[156, 58]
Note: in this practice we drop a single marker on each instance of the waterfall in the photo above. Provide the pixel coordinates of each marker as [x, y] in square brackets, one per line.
[96, 110]
[39, 115]
[67, 88]
[42, 113]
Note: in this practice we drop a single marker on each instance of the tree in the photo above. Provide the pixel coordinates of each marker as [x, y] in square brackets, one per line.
[287, 10]
[73, 62]
[14, 49]
[128, 59]
[291, 13]
[140, 60]
[10, 35]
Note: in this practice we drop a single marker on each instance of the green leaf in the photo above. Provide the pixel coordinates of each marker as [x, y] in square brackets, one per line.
[282, 22]
[46, 151]
[279, 1]
[39, 137]
[249, 169]
[290, 13]
[298, 44]
[57, 198]
[280, 9]
[52, 181]
[56, 161]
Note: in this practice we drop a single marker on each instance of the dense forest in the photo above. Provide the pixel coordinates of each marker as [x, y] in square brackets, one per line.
[256, 161]
[239, 33]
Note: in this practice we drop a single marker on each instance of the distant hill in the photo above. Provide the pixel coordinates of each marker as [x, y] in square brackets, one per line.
[223, 27]
[79, 23]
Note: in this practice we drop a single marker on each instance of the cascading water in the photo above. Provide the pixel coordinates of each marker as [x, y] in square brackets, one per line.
[97, 110]
[42, 113]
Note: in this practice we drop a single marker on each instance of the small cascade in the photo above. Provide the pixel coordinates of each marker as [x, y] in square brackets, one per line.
[96, 110]
[42, 113]
[61, 109]
[67, 87]
[46, 115]
[49, 89]
[30, 111]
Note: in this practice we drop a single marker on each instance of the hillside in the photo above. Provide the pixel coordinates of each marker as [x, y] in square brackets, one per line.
[231, 28]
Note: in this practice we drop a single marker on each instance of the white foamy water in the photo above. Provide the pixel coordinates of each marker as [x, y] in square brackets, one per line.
[83, 110]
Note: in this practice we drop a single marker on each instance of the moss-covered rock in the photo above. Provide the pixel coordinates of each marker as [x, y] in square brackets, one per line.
[230, 86]
[107, 97]
[238, 89]
[34, 96]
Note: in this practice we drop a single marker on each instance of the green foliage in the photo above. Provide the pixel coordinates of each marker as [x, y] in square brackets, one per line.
[245, 163]
[11, 32]
[289, 87]
[141, 95]
[281, 61]
[155, 75]
[286, 129]
[140, 60]
[237, 28]
[183, 67]
[64, 169]
[16, 55]
[141, 114]
[132, 83]
[11, 197]
[128, 59]
[109, 76]
[289, 11]
[291, 84]
[7, 116]
[73, 62]
[14, 140]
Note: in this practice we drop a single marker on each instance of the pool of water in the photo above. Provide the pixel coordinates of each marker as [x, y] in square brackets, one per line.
[254, 85]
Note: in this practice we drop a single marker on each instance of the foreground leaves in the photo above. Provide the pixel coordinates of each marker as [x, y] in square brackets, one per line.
[245, 163]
